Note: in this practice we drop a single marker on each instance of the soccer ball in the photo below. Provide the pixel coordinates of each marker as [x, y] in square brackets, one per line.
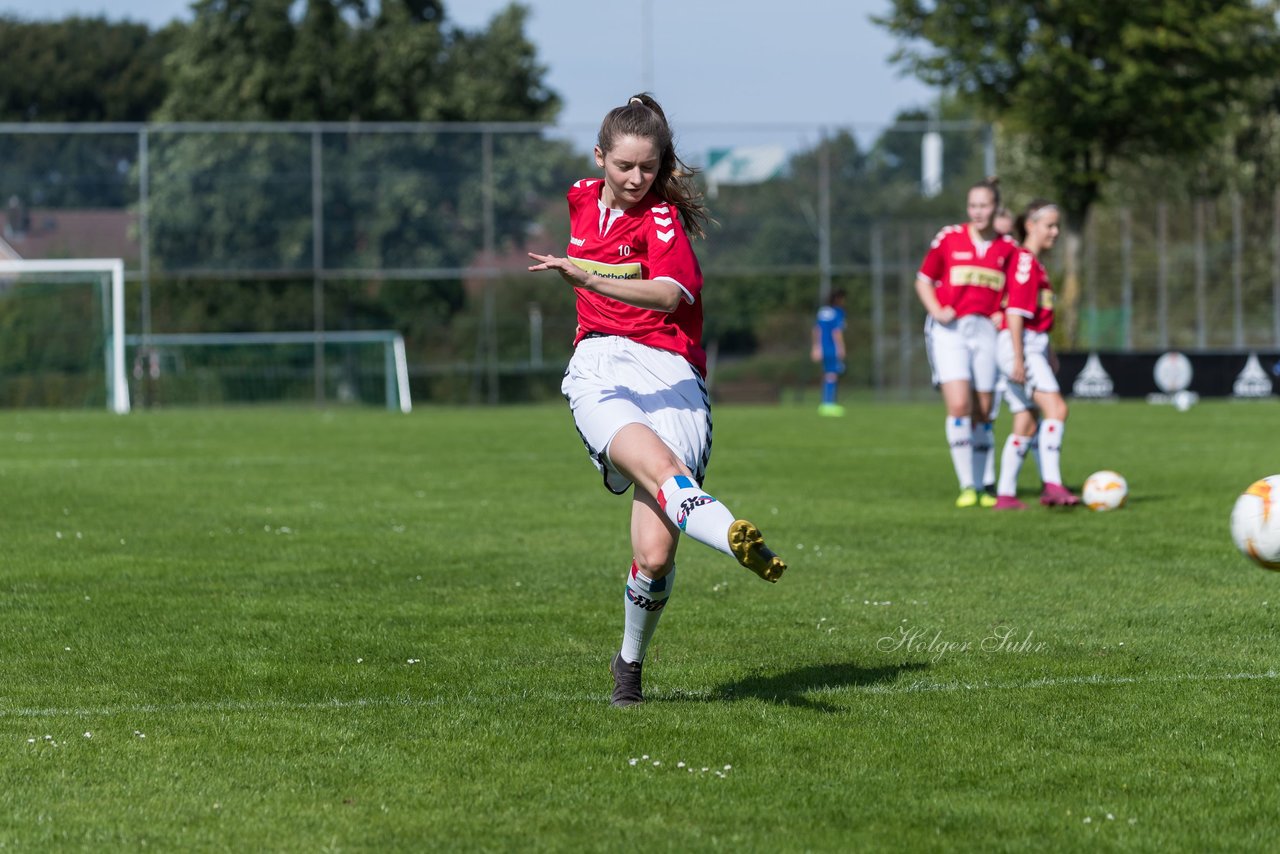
[1255, 522]
[1104, 490]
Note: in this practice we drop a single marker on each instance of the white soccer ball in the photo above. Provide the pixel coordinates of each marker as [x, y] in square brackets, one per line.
[1104, 490]
[1255, 522]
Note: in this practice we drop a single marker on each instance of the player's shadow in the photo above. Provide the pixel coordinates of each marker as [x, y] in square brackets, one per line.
[804, 686]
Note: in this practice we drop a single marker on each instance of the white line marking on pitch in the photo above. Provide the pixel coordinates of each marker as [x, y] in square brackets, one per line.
[251, 706]
[1049, 682]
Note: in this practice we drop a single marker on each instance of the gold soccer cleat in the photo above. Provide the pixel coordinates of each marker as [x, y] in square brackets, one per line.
[748, 547]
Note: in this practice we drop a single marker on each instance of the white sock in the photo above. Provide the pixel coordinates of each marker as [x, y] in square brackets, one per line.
[642, 607]
[960, 438]
[694, 512]
[1050, 441]
[984, 461]
[1015, 450]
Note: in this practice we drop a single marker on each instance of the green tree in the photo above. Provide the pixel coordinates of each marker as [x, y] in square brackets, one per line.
[76, 70]
[1094, 83]
[243, 200]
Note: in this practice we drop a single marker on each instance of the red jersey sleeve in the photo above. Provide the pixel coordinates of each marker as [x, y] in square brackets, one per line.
[670, 255]
[934, 264]
[1023, 285]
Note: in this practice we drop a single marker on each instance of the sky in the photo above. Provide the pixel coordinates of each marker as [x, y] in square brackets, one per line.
[779, 71]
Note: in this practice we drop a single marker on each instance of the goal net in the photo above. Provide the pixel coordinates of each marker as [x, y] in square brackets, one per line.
[62, 333]
[210, 369]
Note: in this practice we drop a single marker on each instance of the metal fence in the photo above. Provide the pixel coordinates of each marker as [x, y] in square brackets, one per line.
[422, 228]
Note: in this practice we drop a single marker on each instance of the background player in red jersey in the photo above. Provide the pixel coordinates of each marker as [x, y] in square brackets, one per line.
[1028, 363]
[635, 382]
[960, 282]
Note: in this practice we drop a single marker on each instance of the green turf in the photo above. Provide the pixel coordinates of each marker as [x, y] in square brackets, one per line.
[356, 631]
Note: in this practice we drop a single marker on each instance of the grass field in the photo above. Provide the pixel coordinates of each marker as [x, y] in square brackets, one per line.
[353, 631]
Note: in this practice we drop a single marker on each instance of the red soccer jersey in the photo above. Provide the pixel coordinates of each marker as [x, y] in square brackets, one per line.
[644, 242]
[1029, 293]
[966, 279]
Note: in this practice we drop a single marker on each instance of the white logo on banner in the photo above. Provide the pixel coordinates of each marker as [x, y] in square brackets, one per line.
[1252, 381]
[1172, 372]
[1093, 380]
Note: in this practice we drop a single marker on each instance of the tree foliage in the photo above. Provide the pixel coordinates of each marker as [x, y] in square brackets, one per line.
[1094, 82]
[1095, 85]
[76, 70]
[244, 200]
[353, 60]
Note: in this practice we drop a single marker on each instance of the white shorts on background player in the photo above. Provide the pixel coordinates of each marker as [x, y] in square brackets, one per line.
[964, 349]
[613, 381]
[1035, 361]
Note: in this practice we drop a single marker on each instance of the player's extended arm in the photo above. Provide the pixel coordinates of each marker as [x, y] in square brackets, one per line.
[655, 294]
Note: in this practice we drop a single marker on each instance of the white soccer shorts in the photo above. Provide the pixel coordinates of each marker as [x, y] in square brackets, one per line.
[1035, 360]
[964, 349]
[613, 381]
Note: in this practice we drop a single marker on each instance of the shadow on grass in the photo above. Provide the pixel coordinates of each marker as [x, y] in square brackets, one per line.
[804, 686]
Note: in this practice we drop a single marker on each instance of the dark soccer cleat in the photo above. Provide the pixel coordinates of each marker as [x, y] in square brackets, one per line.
[748, 547]
[626, 682]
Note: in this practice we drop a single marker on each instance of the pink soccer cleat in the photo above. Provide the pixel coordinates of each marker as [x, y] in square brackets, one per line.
[1057, 495]
[1008, 502]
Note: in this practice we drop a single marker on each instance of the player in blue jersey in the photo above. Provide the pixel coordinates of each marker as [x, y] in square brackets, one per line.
[828, 350]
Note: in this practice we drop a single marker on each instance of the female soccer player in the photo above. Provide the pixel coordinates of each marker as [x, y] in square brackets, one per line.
[959, 283]
[635, 381]
[1028, 363]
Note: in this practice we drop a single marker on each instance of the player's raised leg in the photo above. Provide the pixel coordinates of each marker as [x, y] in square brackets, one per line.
[642, 456]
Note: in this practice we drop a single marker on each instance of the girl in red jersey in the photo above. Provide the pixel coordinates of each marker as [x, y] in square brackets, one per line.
[1029, 364]
[635, 383]
[959, 283]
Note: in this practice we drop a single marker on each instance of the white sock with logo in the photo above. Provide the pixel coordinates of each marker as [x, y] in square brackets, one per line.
[960, 438]
[642, 606]
[984, 458]
[1050, 441]
[695, 513]
[1015, 451]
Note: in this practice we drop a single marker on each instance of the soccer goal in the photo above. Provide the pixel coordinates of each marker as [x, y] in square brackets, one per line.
[201, 369]
[62, 333]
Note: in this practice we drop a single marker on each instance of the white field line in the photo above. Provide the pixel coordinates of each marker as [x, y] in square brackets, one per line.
[916, 687]
[921, 687]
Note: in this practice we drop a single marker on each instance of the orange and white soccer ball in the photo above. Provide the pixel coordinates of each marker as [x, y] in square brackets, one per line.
[1255, 522]
[1104, 490]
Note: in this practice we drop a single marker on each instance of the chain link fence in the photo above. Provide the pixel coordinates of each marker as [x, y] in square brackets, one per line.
[422, 229]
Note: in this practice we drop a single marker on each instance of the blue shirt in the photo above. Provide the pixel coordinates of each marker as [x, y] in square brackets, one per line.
[830, 320]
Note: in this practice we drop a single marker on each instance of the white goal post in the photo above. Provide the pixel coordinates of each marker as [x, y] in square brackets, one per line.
[395, 363]
[113, 314]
